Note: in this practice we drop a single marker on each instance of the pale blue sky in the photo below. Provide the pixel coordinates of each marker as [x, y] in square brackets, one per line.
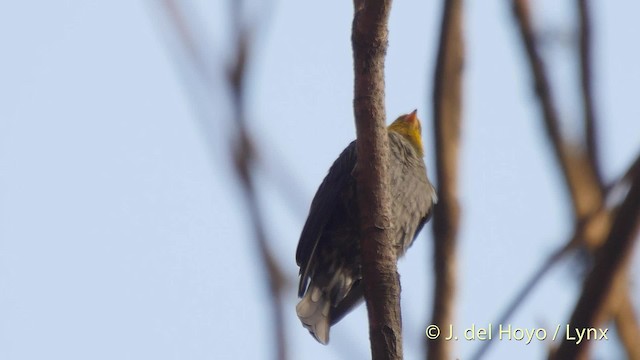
[123, 235]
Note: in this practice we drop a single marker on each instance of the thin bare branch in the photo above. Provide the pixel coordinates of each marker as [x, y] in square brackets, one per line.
[447, 104]
[379, 270]
[588, 101]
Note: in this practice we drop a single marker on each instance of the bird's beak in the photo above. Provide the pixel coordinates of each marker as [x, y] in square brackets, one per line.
[412, 118]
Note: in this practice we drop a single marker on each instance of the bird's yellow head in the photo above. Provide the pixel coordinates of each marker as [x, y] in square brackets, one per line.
[408, 125]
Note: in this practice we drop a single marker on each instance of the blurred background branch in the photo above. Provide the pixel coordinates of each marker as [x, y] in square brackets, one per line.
[447, 110]
[578, 162]
[243, 150]
[588, 102]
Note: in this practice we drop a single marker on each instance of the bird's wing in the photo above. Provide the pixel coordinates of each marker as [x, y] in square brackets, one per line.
[413, 194]
[322, 207]
[430, 198]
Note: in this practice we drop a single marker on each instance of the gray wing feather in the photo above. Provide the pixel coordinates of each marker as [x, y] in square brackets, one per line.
[322, 208]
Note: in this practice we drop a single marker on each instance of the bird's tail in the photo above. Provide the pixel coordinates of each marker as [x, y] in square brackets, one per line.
[313, 311]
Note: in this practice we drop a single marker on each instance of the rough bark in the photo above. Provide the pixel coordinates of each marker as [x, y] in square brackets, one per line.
[379, 270]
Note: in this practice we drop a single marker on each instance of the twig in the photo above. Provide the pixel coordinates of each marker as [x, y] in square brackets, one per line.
[611, 258]
[588, 102]
[379, 269]
[447, 103]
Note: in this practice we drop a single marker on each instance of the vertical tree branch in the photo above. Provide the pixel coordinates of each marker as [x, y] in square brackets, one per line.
[611, 259]
[379, 271]
[588, 102]
[447, 103]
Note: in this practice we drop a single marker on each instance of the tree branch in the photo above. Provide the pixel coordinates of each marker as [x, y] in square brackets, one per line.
[447, 103]
[588, 102]
[379, 269]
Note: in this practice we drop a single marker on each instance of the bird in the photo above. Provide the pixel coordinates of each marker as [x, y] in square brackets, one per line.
[328, 251]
